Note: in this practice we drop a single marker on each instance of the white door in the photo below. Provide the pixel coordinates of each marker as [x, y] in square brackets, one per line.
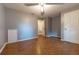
[41, 27]
[71, 26]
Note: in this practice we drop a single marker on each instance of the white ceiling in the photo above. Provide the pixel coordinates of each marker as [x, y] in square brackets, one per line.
[49, 9]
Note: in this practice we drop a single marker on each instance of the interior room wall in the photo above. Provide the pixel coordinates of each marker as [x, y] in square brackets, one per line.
[25, 24]
[2, 26]
[62, 26]
[53, 26]
[48, 26]
[56, 25]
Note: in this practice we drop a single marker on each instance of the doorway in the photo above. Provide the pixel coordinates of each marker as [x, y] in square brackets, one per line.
[53, 26]
[41, 26]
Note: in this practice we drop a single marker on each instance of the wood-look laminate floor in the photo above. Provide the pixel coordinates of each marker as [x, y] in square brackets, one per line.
[41, 46]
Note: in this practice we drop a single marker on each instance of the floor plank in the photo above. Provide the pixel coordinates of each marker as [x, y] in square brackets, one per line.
[41, 46]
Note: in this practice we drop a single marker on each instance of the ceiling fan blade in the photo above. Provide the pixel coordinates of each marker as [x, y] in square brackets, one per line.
[54, 3]
[30, 4]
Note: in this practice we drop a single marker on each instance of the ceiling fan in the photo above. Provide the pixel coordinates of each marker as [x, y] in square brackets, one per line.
[34, 4]
[42, 7]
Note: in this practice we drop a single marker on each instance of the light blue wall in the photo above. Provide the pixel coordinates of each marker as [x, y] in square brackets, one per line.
[26, 24]
[26, 31]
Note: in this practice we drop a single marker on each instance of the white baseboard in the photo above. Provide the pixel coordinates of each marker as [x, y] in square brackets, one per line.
[62, 39]
[14, 42]
[27, 39]
[70, 41]
[3, 47]
[23, 40]
[52, 35]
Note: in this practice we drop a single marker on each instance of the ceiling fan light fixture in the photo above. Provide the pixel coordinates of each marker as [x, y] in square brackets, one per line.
[30, 4]
[42, 8]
